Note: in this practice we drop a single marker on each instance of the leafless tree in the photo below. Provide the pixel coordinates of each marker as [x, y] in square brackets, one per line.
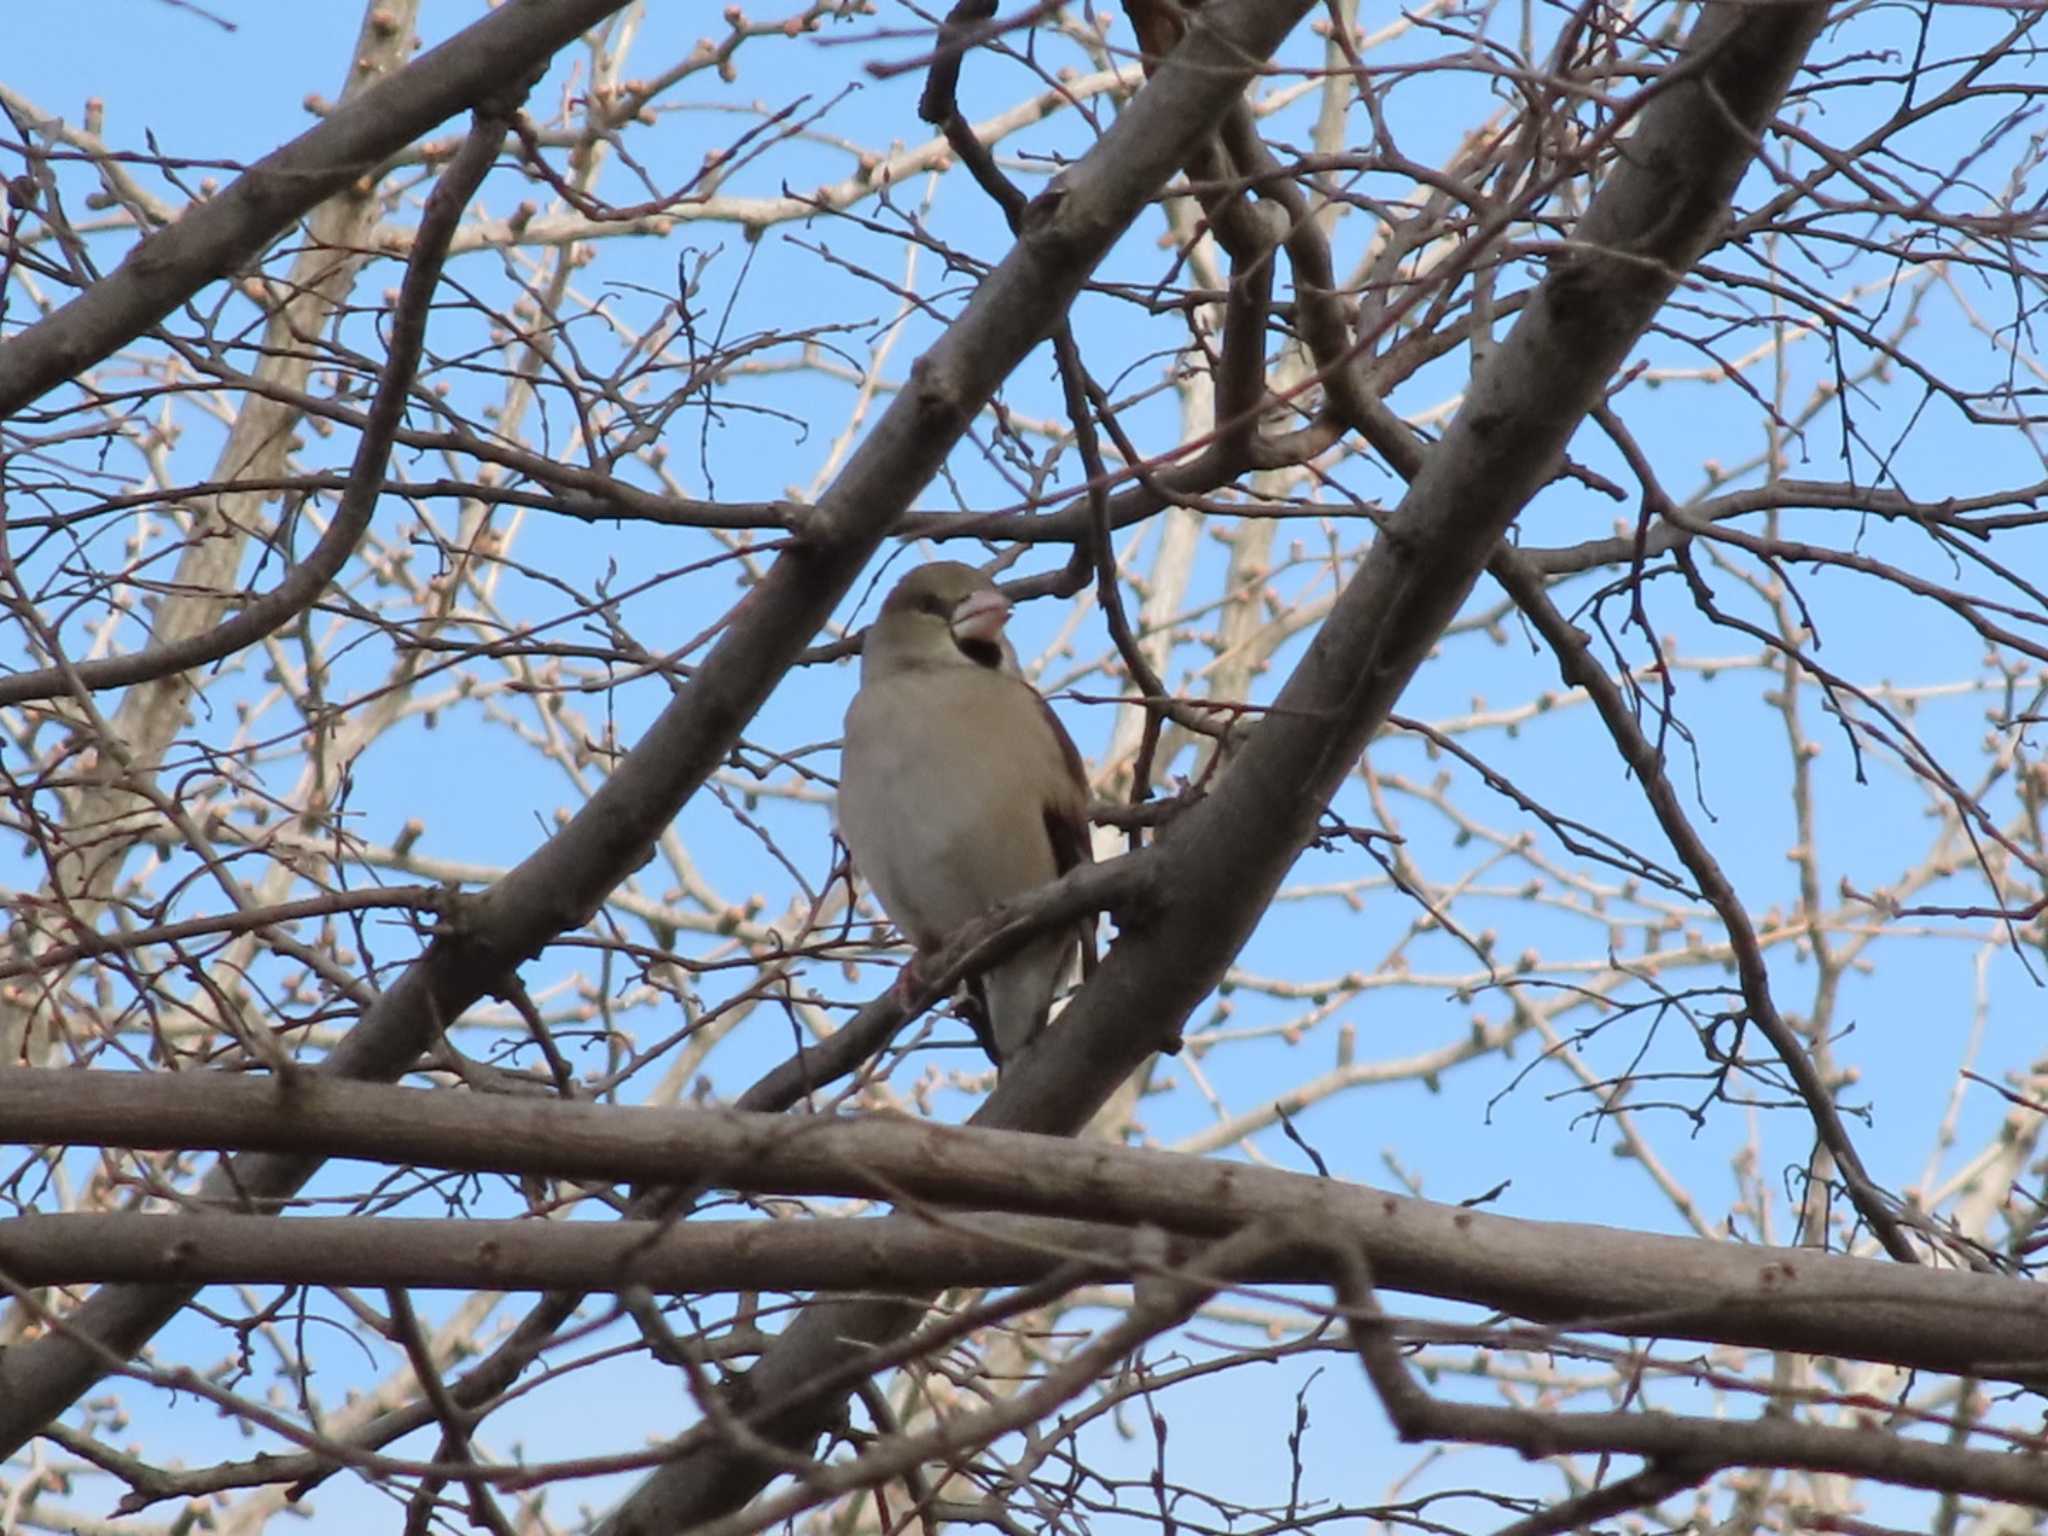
[1534, 516]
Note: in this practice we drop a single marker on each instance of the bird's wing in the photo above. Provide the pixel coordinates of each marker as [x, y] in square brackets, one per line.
[1066, 821]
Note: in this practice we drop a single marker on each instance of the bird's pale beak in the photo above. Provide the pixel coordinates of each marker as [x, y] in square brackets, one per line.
[980, 617]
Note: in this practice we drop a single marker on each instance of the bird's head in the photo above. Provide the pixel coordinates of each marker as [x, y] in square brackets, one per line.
[942, 614]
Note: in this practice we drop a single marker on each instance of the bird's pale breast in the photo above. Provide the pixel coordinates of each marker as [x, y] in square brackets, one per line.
[941, 795]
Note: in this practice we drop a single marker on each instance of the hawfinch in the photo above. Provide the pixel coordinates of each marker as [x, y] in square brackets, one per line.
[959, 790]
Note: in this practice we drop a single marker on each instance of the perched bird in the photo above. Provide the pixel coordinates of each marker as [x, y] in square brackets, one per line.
[960, 790]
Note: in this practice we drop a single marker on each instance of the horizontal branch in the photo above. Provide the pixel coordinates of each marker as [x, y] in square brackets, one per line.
[1592, 1277]
[1678, 1449]
[880, 1253]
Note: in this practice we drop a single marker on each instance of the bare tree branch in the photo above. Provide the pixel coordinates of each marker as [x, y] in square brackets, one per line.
[1651, 218]
[1593, 1277]
[219, 235]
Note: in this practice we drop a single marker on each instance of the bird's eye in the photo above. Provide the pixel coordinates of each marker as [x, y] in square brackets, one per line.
[936, 605]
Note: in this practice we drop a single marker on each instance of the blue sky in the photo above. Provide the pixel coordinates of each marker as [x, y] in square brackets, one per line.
[1911, 1018]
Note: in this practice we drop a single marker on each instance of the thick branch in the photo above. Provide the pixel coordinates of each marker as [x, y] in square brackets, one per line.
[1593, 1277]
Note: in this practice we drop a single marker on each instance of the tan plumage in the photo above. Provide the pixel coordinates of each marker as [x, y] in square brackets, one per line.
[959, 789]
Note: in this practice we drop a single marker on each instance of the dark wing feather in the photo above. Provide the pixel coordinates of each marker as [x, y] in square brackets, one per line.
[974, 1008]
[1066, 824]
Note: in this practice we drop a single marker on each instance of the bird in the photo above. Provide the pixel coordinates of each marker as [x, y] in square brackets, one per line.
[959, 790]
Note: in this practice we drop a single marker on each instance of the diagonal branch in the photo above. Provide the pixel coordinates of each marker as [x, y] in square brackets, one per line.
[217, 237]
[1578, 667]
